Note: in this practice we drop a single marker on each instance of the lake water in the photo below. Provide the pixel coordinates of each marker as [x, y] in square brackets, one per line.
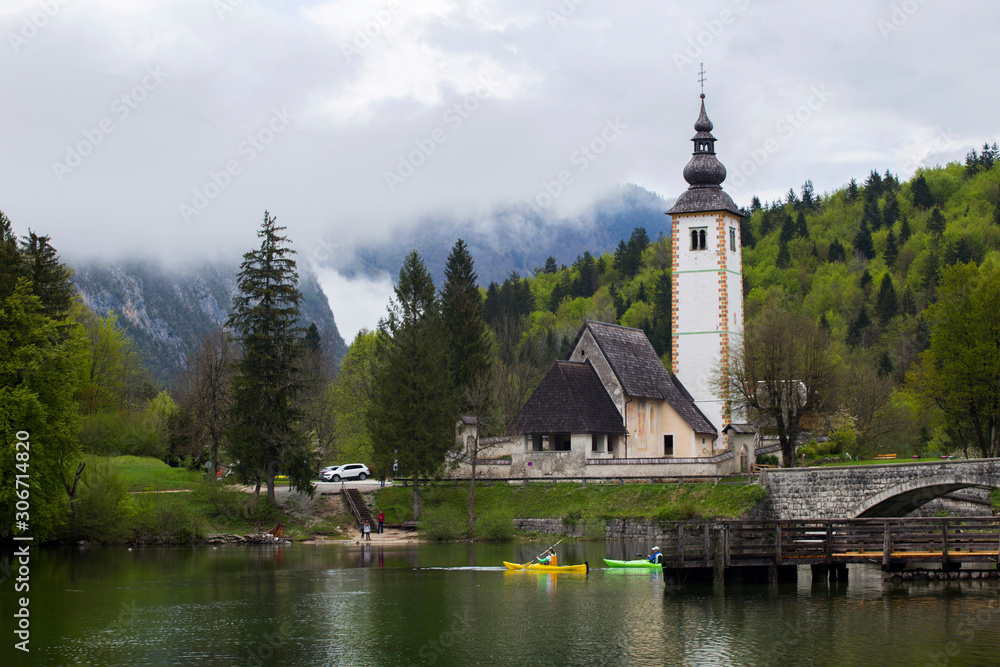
[432, 604]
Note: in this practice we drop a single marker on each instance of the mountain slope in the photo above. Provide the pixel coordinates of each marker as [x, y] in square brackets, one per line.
[166, 310]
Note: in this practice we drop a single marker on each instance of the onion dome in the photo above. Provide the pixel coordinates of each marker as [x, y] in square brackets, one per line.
[704, 174]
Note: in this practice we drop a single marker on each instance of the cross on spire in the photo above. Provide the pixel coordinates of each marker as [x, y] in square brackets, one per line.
[701, 80]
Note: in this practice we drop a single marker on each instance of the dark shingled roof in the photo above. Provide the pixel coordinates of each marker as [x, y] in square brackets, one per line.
[640, 371]
[740, 428]
[570, 399]
[702, 200]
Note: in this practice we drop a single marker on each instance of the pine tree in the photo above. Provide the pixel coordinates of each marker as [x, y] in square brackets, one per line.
[891, 250]
[641, 292]
[809, 200]
[588, 274]
[856, 334]
[887, 305]
[908, 304]
[462, 313]
[787, 230]
[872, 215]
[11, 261]
[885, 366]
[890, 211]
[491, 304]
[996, 215]
[800, 225]
[863, 243]
[873, 186]
[414, 406]
[265, 434]
[50, 279]
[784, 258]
[550, 265]
[921, 192]
[836, 252]
[852, 191]
[936, 222]
[904, 231]
[754, 204]
[746, 233]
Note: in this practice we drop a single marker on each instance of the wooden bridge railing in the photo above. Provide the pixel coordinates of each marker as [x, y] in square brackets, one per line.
[944, 540]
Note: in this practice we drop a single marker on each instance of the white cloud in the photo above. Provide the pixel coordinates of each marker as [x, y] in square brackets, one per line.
[358, 303]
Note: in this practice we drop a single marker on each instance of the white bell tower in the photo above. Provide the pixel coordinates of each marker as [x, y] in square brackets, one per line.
[706, 277]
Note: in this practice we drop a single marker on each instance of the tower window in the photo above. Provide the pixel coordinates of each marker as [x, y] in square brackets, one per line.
[732, 239]
[698, 239]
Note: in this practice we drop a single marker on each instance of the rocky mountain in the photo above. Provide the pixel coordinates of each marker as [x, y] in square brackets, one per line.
[166, 310]
[520, 237]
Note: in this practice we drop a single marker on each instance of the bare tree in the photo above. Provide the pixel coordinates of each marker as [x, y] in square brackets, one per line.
[206, 393]
[783, 375]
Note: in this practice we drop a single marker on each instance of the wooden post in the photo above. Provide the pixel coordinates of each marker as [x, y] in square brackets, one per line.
[886, 547]
[944, 544]
[718, 557]
[705, 543]
[680, 545]
[777, 543]
[726, 538]
[829, 541]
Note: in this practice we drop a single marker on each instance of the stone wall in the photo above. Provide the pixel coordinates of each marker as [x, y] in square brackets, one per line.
[614, 529]
[849, 491]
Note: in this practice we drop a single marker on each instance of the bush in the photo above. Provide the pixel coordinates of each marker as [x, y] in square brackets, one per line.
[496, 525]
[121, 433]
[768, 460]
[815, 450]
[160, 521]
[102, 509]
[682, 509]
[442, 523]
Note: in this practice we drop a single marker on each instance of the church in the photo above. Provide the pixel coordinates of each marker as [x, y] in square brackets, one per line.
[612, 408]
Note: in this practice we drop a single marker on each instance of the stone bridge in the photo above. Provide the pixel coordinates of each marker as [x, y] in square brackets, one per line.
[848, 492]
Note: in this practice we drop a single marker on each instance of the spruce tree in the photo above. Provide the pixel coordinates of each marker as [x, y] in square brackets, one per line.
[414, 406]
[936, 222]
[863, 242]
[550, 265]
[859, 327]
[462, 313]
[852, 191]
[787, 230]
[891, 250]
[265, 435]
[784, 258]
[890, 212]
[801, 228]
[11, 261]
[836, 252]
[904, 231]
[921, 192]
[50, 279]
[887, 305]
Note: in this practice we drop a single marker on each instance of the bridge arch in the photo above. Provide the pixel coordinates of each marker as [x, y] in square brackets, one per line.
[903, 498]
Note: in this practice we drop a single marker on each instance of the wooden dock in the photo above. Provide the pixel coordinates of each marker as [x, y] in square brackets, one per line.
[774, 549]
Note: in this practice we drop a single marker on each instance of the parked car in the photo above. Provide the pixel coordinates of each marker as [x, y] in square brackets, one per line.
[350, 471]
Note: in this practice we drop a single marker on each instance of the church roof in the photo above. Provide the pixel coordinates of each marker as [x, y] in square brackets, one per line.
[570, 399]
[704, 174]
[640, 371]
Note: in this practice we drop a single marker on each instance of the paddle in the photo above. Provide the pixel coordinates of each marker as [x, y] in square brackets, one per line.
[544, 552]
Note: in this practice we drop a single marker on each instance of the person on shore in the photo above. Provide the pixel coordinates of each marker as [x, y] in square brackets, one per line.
[656, 557]
[548, 558]
[368, 531]
[381, 521]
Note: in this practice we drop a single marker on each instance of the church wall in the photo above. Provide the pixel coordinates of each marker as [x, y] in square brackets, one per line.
[648, 420]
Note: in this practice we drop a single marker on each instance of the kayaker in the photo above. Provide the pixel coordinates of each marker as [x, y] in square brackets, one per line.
[549, 558]
[657, 557]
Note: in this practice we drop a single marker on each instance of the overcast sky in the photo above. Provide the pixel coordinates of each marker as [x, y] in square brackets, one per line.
[166, 128]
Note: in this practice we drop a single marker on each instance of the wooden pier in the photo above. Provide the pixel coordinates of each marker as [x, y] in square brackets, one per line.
[772, 550]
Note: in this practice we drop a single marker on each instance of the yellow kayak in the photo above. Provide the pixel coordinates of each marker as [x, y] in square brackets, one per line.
[535, 567]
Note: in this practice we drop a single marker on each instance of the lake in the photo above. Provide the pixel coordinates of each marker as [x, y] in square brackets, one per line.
[450, 604]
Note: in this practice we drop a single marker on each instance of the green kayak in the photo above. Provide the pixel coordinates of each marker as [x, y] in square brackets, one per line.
[633, 563]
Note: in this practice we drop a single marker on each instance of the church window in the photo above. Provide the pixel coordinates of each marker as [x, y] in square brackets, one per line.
[668, 445]
[732, 239]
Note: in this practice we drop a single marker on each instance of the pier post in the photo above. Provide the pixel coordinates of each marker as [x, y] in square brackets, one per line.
[718, 557]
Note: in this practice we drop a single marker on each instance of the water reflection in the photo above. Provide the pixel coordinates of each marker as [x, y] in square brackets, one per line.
[456, 605]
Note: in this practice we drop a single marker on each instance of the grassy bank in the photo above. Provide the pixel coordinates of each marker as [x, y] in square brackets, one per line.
[575, 503]
[126, 499]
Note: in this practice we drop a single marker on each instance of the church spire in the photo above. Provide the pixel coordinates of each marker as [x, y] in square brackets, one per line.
[704, 173]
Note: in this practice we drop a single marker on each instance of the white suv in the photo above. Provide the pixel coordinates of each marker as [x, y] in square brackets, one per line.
[349, 471]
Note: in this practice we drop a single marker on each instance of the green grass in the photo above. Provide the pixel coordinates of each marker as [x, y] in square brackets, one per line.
[144, 473]
[205, 507]
[578, 503]
[872, 462]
